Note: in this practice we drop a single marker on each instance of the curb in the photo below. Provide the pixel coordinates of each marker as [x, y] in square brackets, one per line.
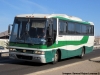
[54, 69]
[97, 59]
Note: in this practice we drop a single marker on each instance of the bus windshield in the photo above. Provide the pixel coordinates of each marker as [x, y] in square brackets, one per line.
[28, 30]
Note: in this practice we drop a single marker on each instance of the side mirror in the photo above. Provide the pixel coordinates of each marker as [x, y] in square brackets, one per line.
[9, 29]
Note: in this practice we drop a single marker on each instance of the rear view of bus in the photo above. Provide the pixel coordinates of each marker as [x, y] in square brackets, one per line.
[47, 38]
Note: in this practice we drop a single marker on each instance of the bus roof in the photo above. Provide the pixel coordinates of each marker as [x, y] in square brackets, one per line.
[60, 16]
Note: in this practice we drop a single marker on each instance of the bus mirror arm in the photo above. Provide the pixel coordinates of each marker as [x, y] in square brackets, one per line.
[9, 29]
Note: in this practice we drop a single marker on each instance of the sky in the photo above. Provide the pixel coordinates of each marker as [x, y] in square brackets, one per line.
[87, 10]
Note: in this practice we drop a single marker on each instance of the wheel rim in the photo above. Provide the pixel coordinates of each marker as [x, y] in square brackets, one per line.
[56, 57]
[82, 53]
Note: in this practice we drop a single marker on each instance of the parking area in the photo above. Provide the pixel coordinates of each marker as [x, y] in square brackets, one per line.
[3, 51]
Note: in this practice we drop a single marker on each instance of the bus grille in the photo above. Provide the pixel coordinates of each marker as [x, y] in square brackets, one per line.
[24, 57]
[27, 51]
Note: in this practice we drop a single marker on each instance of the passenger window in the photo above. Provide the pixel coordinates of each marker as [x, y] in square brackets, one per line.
[65, 27]
[92, 29]
[71, 28]
[78, 28]
[84, 29]
[61, 25]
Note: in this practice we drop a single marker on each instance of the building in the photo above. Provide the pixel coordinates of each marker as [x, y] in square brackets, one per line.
[4, 35]
[4, 38]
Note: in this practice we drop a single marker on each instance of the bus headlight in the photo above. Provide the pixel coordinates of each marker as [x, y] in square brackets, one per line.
[39, 52]
[12, 50]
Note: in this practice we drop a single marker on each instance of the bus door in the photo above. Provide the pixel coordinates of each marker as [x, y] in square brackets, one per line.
[51, 31]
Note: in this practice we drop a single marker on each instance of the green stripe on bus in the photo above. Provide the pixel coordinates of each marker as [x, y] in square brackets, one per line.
[64, 43]
[60, 43]
[63, 18]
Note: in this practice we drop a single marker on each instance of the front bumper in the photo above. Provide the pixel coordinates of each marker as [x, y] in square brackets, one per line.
[28, 57]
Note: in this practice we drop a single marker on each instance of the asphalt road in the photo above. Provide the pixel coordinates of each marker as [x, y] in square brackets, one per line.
[16, 67]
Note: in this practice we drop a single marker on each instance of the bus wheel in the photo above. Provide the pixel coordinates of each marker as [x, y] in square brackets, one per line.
[56, 57]
[82, 53]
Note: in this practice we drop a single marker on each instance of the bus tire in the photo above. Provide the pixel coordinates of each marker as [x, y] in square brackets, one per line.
[56, 57]
[82, 53]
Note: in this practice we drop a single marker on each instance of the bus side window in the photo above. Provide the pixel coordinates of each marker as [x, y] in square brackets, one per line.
[61, 25]
[71, 28]
[77, 28]
[92, 30]
[89, 29]
[65, 27]
[84, 29]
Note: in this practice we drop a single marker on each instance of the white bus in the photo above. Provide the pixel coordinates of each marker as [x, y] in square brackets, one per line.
[47, 38]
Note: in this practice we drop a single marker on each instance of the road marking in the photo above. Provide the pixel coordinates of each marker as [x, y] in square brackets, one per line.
[57, 68]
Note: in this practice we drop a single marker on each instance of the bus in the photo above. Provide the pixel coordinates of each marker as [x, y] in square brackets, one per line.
[45, 38]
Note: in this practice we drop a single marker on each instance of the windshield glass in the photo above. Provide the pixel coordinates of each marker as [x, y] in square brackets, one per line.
[28, 31]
